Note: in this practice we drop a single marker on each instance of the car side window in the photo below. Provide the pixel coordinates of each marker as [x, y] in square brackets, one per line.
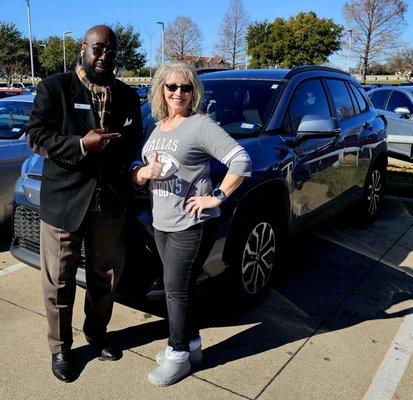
[362, 103]
[341, 98]
[354, 101]
[308, 99]
[379, 98]
[398, 99]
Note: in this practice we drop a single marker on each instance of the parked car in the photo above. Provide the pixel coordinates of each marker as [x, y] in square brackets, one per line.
[30, 90]
[369, 87]
[7, 91]
[396, 104]
[316, 143]
[143, 91]
[14, 115]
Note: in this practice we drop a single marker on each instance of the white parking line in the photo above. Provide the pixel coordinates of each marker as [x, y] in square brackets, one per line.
[12, 268]
[391, 370]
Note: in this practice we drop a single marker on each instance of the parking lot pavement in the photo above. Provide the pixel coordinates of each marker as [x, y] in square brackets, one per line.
[323, 332]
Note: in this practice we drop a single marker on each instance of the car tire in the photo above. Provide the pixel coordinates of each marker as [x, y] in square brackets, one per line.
[255, 258]
[373, 191]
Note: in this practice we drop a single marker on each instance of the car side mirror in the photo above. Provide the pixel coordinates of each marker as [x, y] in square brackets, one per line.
[316, 126]
[403, 111]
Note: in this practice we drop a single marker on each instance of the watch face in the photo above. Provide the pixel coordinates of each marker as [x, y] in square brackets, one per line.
[217, 193]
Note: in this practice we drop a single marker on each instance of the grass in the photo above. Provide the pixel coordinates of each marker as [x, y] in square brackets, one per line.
[400, 180]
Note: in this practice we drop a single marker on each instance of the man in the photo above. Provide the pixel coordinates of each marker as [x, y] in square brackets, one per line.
[86, 124]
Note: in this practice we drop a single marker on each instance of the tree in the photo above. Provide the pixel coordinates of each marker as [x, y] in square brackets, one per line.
[129, 42]
[377, 25]
[51, 57]
[13, 52]
[181, 38]
[402, 63]
[259, 46]
[233, 28]
[303, 39]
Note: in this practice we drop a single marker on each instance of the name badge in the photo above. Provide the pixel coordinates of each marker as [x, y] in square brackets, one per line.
[82, 106]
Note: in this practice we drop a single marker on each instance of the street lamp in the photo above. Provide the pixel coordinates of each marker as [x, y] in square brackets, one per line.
[64, 49]
[29, 22]
[162, 39]
[350, 31]
[150, 53]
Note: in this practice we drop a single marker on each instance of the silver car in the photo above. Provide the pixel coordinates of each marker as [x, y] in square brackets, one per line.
[14, 116]
[396, 104]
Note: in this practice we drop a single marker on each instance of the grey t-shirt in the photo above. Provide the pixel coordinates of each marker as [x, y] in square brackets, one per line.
[185, 152]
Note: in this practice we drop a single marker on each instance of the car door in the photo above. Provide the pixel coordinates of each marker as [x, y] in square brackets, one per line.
[399, 125]
[314, 178]
[12, 154]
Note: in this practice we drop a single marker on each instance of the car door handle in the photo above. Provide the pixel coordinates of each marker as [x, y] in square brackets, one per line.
[368, 126]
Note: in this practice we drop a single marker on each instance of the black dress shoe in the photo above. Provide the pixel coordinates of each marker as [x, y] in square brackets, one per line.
[64, 366]
[105, 349]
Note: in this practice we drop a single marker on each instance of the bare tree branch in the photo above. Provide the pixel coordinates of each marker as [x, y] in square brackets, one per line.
[376, 24]
[233, 29]
[182, 37]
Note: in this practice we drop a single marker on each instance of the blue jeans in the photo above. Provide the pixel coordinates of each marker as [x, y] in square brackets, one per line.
[183, 254]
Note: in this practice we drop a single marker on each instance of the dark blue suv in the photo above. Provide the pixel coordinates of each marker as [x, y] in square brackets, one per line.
[316, 143]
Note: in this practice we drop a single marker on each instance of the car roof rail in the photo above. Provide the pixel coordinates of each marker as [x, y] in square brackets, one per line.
[304, 68]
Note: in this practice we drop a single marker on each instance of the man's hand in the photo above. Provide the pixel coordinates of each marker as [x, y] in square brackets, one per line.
[97, 139]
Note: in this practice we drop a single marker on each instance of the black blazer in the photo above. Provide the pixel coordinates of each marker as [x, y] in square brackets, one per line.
[62, 114]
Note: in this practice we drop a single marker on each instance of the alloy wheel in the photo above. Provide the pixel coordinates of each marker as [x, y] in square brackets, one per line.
[374, 192]
[258, 258]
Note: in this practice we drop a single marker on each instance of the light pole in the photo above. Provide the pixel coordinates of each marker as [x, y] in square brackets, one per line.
[150, 53]
[64, 49]
[29, 22]
[350, 31]
[162, 40]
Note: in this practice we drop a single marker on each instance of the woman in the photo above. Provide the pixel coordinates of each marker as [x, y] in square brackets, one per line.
[184, 204]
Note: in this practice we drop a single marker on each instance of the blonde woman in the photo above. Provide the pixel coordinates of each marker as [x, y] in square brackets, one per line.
[185, 206]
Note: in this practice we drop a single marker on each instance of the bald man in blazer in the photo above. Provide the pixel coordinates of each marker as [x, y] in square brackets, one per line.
[86, 124]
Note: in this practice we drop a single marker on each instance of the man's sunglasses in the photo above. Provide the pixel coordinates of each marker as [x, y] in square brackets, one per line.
[99, 49]
[173, 87]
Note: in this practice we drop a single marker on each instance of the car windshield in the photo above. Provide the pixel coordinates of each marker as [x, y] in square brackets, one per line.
[14, 116]
[240, 106]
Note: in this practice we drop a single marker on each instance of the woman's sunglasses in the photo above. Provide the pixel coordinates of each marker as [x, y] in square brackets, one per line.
[173, 87]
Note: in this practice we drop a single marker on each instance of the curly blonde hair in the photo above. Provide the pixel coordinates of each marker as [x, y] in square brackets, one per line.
[156, 94]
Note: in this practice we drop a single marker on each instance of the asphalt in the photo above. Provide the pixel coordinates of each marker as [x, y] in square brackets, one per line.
[321, 333]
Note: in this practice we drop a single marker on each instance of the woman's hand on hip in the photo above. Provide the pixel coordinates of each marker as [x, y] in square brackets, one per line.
[196, 204]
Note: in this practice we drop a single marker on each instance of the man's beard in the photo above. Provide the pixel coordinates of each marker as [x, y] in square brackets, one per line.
[104, 78]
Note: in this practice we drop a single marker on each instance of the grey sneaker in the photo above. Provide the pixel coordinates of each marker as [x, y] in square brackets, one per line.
[194, 356]
[169, 372]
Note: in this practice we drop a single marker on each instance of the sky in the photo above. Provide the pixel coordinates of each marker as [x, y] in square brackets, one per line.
[53, 17]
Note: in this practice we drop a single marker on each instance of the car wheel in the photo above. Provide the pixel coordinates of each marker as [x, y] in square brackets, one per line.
[255, 259]
[373, 193]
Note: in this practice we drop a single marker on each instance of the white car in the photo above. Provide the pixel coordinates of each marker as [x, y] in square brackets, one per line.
[396, 104]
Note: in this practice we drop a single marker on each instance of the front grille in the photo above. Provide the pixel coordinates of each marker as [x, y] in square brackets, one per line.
[27, 228]
[27, 231]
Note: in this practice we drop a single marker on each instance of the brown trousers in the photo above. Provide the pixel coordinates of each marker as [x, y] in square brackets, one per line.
[60, 253]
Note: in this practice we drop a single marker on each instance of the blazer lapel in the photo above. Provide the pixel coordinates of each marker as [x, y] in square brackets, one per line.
[81, 100]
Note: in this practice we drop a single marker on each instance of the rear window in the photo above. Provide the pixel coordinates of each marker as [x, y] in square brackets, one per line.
[379, 98]
[341, 98]
[241, 107]
[359, 97]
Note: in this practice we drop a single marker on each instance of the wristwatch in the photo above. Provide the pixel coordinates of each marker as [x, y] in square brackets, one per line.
[219, 194]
